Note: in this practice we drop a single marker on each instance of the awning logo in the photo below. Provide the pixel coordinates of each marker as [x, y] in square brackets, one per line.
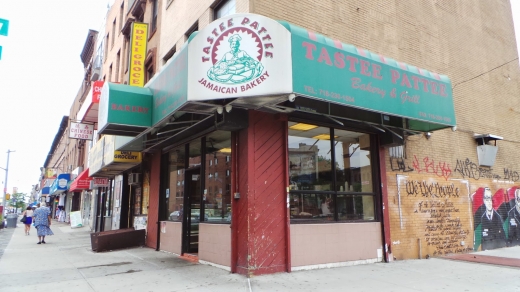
[236, 57]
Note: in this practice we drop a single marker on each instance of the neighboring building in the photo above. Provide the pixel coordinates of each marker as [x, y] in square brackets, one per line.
[275, 136]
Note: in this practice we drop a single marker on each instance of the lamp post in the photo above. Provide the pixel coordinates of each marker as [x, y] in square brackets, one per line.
[6, 176]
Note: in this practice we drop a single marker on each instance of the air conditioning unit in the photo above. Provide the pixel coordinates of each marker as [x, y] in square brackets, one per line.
[133, 178]
[95, 74]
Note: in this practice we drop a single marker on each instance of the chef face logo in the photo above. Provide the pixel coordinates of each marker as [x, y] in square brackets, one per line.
[236, 56]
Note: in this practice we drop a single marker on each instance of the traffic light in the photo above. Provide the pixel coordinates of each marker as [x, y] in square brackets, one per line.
[7, 196]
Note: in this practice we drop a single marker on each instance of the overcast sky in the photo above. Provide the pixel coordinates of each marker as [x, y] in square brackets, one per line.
[40, 74]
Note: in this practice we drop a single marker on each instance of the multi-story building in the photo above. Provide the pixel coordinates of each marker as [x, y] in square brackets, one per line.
[268, 136]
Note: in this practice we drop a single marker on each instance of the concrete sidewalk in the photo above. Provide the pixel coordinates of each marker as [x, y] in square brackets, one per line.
[66, 263]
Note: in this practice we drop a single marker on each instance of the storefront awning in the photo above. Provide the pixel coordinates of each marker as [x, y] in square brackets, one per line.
[106, 161]
[60, 184]
[278, 61]
[44, 191]
[124, 110]
[82, 182]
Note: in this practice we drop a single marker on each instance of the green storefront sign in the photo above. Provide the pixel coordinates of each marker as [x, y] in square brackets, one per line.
[340, 73]
[170, 87]
[125, 105]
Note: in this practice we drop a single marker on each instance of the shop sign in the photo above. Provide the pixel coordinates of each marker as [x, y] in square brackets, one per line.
[169, 87]
[124, 107]
[96, 156]
[240, 55]
[96, 90]
[100, 182]
[127, 156]
[340, 73]
[81, 131]
[138, 53]
[51, 173]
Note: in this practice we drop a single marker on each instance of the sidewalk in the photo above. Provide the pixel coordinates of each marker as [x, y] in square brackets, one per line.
[66, 263]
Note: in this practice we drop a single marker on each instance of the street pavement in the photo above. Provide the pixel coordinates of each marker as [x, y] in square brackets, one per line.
[67, 263]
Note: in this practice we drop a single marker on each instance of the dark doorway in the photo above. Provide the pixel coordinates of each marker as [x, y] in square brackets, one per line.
[192, 210]
[76, 202]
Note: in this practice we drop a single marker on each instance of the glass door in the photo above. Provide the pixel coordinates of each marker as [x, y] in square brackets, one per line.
[192, 211]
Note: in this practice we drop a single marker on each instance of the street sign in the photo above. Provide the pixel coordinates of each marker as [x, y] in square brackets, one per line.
[4, 26]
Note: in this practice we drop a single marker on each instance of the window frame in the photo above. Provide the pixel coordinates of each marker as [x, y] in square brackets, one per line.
[376, 179]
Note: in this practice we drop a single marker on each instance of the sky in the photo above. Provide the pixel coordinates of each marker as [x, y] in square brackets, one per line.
[40, 75]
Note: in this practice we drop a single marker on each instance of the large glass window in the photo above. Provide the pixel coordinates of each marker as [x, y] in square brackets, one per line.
[217, 194]
[330, 174]
[175, 190]
[310, 158]
[224, 8]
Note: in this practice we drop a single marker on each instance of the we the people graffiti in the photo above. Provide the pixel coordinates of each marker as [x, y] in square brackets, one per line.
[496, 217]
[433, 217]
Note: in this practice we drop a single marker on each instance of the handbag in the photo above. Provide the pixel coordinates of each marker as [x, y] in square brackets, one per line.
[24, 218]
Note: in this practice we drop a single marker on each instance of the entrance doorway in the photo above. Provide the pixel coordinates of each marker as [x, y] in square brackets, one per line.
[192, 211]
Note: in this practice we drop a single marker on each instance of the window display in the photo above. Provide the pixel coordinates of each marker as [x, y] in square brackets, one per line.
[330, 174]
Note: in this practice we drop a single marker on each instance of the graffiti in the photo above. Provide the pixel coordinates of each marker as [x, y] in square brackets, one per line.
[497, 218]
[511, 175]
[469, 169]
[441, 169]
[431, 190]
[444, 230]
[400, 165]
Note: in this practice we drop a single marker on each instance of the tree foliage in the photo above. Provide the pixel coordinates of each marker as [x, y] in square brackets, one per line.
[18, 200]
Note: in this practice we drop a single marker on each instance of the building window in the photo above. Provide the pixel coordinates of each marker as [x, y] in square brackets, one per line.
[121, 15]
[193, 28]
[118, 61]
[126, 53]
[224, 8]
[154, 15]
[113, 32]
[106, 45]
[330, 174]
[170, 54]
[110, 73]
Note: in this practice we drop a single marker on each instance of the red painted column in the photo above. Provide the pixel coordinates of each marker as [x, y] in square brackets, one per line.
[259, 224]
[153, 210]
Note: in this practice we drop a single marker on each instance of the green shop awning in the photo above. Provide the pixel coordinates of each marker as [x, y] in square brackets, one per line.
[327, 69]
[124, 110]
[250, 61]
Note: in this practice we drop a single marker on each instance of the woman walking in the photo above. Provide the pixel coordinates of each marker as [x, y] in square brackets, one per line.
[28, 213]
[42, 222]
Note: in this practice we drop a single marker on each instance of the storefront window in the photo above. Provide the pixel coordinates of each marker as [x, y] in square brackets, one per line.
[217, 195]
[355, 207]
[353, 169]
[310, 159]
[175, 191]
[330, 174]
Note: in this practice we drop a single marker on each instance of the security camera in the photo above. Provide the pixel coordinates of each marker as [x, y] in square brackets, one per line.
[291, 97]
[428, 135]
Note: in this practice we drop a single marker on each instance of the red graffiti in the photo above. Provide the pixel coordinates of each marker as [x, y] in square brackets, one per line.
[440, 169]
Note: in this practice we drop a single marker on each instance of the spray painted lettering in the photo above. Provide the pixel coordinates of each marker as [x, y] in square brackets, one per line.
[431, 190]
[399, 165]
[440, 169]
[469, 169]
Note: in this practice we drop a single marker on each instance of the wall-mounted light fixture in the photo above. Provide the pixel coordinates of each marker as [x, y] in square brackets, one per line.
[486, 152]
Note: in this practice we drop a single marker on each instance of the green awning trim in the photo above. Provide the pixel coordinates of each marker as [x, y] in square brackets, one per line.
[329, 70]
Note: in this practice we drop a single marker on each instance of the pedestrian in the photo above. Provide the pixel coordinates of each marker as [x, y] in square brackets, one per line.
[42, 222]
[28, 213]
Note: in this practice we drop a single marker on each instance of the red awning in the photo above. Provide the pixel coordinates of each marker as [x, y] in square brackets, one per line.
[82, 182]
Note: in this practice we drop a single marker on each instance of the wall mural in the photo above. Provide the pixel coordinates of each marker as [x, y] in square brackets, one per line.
[497, 217]
[436, 209]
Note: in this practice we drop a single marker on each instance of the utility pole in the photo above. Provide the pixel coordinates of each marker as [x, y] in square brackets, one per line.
[6, 176]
